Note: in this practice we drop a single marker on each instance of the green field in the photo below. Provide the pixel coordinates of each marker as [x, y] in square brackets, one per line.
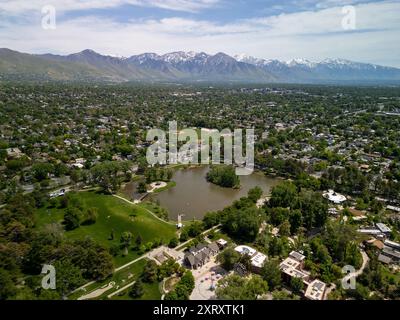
[113, 214]
[151, 292]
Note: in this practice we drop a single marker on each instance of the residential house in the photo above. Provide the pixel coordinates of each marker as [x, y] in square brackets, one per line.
[198, 256]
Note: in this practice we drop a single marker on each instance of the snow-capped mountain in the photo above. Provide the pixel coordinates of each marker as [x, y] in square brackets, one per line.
[187, 66]
[303, 70]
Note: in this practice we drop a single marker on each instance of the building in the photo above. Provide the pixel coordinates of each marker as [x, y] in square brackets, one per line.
[14, 153]
[257, 262]
[246, 250]
[292, 267]
[257, 259]
[383, 228]
[315, 290]
[334, 197]
[198, 256]
[222, 243]
[390, 253]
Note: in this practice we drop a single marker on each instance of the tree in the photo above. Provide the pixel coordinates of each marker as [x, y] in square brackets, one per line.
[254, 194]
[106, 176]
[137, 289]
[228, 258]
[91, 216]
[142, 187]
[271, 273]
[125, 240]
[91, 258]
[173, 242]
[7, 286]
[295, 219]
[210, 219]
[184, 236]
[284, 229]
[138, 241]
[235, 287]
[224, 176]
[243, 224]
[68, 277]
[195, 229]
[150, 272]
[41, 171]
[72, 218]
[283, 195]
[183, 288]
[296, 284]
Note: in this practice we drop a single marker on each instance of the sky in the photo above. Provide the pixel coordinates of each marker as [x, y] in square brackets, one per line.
[359, 30]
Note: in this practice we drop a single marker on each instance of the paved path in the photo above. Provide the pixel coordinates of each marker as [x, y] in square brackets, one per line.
[98, 292]
[364, 264]
[121, 289]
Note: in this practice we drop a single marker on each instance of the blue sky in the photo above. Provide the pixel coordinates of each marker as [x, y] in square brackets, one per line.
[311, 29]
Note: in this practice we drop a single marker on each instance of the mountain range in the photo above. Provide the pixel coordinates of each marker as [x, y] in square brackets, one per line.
[89, 65]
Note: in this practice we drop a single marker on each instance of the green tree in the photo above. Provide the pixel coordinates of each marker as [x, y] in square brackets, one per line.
[68, 277]
[7, 285]
[271, 273]
[228, 258]
[126, 239]
[296, 284]
[254, 194]
[72, 218]
[150, 272]
[137, 290]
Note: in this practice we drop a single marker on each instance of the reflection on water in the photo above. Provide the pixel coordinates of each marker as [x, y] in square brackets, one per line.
[193, 196]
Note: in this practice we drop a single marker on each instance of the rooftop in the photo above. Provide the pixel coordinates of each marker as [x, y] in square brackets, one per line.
[334, 197]
[246, 250]
[315, 290]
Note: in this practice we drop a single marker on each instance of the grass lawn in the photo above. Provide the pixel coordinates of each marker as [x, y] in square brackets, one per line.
[151, 292]
[113, 214]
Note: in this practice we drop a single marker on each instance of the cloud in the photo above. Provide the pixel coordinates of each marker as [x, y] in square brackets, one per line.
[314, 35]
[23, 6]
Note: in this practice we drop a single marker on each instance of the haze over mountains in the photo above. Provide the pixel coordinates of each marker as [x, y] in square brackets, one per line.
[186, 66]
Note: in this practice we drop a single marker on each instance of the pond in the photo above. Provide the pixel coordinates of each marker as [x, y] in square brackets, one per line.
[193, 196]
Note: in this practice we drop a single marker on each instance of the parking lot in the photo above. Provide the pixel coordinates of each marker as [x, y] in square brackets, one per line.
[206, 279]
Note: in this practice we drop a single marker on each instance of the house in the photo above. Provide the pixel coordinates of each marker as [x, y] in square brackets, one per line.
[14, 153]
[257, 262]
[257, 259]
[198, 256]
[334, 197]
[315, 290]
[393, 208]
[245, 250]
[292, 267]
[222, 243]
[390, 252]
[383, 228]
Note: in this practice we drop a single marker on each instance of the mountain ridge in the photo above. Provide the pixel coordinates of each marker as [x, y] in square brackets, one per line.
[185, 66]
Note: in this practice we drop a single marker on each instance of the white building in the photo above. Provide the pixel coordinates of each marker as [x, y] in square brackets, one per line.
[334, 197]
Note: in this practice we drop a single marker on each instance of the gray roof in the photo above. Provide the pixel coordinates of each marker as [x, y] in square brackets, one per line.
[384, 259]
[213, 247]
[391, 252]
